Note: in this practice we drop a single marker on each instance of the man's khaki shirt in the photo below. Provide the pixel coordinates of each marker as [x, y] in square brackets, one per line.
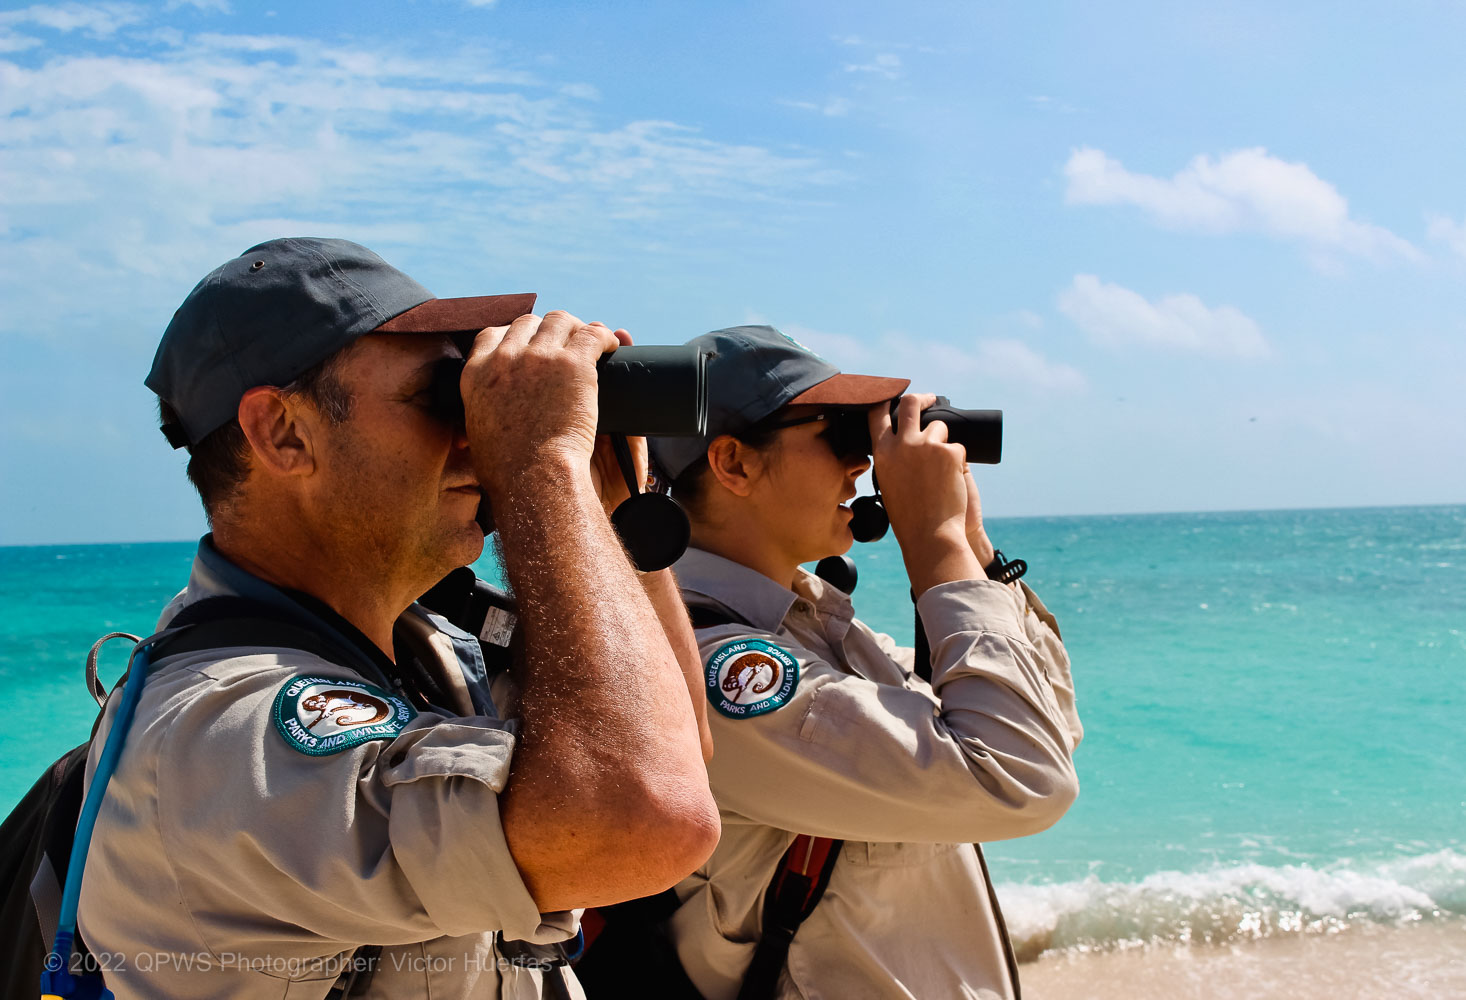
[908, 774]
[227, 863]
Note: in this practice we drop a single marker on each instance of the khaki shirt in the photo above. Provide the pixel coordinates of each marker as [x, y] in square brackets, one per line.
[908, 774]
[227, 863]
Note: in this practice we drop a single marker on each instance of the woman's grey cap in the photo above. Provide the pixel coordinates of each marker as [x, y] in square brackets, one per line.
[282, 307]
[752, 372]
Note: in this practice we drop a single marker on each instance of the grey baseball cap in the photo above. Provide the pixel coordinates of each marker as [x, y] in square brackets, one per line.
[752, 372]
[282, 307]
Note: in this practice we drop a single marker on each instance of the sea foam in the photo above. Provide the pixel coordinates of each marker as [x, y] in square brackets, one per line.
[1233, 903]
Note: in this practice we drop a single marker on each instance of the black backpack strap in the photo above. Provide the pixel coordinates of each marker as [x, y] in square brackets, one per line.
[222, 622]
[800, 882]
[706, 617]
[225, 622]
[1008, 955]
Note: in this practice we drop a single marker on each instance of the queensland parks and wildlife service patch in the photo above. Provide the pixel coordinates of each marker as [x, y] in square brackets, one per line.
[750, 677]
[325, 715]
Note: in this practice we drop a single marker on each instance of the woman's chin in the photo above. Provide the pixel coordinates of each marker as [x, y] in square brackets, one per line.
[842, 541]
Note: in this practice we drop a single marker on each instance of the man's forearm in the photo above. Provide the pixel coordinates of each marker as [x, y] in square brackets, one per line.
[661, 590]
[610, 748]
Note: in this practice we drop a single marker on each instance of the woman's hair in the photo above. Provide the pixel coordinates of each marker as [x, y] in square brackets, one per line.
[690, 488]
[219, 463]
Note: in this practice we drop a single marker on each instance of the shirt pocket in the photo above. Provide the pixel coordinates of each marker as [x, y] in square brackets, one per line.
[477, 748]
[895, 854]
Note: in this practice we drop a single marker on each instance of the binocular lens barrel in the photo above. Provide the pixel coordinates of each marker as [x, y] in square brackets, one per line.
[653, 391]
[979, 431]
[642, 391]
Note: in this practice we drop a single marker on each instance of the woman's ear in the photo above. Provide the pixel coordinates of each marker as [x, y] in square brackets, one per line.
[734, 464]
[280, 431]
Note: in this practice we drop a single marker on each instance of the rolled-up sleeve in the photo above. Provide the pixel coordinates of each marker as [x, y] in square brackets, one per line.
[389, 841]
[981, 754]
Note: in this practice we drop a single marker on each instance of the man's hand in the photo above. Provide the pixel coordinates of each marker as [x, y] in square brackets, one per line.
[529, 395]
[921, 478]
[605, 471]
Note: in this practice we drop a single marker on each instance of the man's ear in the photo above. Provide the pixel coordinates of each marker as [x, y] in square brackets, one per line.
[280, 431]
[735, 465]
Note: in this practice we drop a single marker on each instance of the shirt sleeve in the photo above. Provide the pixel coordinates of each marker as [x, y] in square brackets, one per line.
[983, 753]
[387, 841]
[1043, 631]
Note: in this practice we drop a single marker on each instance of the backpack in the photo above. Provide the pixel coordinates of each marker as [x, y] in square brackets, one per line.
[38, 837]
[626, 943]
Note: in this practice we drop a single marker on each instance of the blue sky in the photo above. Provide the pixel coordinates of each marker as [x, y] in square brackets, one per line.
[1203, 258]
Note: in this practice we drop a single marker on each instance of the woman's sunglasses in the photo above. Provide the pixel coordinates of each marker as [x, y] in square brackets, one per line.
[845, 431]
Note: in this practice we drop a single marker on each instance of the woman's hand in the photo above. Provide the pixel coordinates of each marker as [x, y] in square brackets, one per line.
[921, 479]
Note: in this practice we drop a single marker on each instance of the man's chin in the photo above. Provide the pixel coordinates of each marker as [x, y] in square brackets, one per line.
[464, 547]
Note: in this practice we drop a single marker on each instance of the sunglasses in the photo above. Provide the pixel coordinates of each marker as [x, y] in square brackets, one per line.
[845, 431]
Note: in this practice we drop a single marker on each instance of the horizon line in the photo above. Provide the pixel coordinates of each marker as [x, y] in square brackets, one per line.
[1007, 517]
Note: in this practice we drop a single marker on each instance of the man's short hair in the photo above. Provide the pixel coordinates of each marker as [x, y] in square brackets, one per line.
[218, 465]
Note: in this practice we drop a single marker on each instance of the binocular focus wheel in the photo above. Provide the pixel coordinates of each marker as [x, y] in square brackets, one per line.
[869, 522]
[839, 572]
[654, 528]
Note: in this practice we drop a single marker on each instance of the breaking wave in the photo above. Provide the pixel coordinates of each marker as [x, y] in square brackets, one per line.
[1233, 903]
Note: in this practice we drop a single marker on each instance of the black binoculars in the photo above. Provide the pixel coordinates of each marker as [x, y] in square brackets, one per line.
[643, 391]
[663, 392]
[979, 431]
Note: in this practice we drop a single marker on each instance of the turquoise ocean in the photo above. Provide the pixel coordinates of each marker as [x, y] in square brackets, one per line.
[1274, 707]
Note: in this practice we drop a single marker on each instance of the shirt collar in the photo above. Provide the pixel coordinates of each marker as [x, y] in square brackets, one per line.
[746, 592]
[214, 575]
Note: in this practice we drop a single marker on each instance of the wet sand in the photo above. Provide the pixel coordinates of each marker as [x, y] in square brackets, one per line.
[1363, 963]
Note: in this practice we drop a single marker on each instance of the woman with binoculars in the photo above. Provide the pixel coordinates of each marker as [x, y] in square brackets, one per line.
[852, 790]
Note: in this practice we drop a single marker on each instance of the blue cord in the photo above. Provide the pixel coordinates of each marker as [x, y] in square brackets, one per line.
[57, 980]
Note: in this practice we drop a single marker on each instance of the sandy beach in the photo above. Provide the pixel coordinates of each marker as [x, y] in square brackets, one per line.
[1361, 963]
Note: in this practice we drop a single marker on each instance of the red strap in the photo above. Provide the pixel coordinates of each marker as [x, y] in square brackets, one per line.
[806, 857]
[591, 925]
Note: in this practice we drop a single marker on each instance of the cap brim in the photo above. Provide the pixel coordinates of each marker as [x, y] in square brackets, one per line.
[465, 315]
[852, 390]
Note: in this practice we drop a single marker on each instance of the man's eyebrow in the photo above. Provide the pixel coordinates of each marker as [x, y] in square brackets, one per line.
[422, 372]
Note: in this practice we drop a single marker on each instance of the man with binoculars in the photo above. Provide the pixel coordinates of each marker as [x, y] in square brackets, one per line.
[341, 797]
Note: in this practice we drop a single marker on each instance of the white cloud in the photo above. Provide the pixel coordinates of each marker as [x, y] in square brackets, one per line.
[1450, 232]
[1046, 103]
[939, 366]
[885, 64]
[1116, 316]
[97, 20]
[1244, 191]
[115, 167]
[835, 107]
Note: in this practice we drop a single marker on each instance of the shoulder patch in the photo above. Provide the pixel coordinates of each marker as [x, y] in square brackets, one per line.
[750, 677]
[318, 716]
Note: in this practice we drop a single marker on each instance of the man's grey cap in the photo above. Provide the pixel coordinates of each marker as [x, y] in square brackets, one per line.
[281, 308]
[752, 372]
